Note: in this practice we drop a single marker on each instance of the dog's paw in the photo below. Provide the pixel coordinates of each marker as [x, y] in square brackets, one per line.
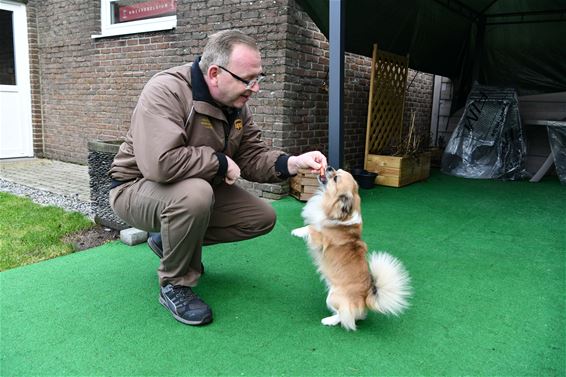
[331, 321]
[301, 232]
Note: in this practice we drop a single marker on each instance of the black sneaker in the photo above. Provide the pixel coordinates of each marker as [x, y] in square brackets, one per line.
[155, 244]
[185, 305]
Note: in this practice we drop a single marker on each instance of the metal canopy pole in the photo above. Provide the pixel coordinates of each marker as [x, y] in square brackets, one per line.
[336, 84]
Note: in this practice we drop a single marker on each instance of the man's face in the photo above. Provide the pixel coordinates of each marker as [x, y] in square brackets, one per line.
[245, 62]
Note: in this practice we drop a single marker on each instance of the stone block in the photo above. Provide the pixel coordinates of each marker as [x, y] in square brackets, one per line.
[133, 236]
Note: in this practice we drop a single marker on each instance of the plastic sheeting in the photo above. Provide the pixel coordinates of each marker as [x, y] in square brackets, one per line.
[488, 142]
[557, 140]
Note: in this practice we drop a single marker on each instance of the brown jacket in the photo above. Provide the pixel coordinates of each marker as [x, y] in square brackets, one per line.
[177, 132]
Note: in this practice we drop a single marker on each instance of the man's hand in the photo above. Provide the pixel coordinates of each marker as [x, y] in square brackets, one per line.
[315, 161]
[232, 173]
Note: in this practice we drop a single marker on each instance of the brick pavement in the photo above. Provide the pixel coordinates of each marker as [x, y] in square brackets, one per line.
[49, 175]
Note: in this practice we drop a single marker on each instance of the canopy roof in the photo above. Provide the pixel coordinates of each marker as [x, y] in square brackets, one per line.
[510, 43]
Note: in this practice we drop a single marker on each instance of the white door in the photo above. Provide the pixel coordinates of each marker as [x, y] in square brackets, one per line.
[16, 139]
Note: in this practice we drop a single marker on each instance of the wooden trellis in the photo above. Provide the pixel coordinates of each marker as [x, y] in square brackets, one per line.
[386, 101]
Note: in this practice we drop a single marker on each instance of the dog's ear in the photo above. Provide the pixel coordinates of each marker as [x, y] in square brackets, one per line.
[345, 204]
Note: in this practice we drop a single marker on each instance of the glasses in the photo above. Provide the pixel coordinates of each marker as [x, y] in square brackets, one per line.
[249, 83]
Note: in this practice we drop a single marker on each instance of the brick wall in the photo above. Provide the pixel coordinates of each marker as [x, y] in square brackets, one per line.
[307, 75]
[306, 66]
[444, 131]
[356, 89]
[85, 89]
[418, 100]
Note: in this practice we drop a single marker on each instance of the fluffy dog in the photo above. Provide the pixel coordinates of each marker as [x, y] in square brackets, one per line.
[333, 234]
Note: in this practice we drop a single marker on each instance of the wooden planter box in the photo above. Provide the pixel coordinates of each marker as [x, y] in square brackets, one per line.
[399, 171]
[303, 185]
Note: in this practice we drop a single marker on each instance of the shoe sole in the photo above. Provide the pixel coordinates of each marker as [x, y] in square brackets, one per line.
[153, 246]
[206, 320]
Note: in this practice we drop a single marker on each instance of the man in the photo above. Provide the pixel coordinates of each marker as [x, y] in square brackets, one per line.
[191, 137]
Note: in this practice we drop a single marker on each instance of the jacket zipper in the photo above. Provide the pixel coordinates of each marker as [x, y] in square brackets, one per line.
[226, 136]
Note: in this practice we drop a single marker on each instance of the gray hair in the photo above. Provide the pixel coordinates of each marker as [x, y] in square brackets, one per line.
[220, 46]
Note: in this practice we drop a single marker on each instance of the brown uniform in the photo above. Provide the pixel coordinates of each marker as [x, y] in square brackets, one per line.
[171, 166]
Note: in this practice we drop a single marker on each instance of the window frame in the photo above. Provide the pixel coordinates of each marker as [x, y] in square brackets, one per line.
[107, 29]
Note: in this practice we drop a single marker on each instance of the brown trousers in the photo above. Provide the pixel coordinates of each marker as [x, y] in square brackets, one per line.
[189, 214]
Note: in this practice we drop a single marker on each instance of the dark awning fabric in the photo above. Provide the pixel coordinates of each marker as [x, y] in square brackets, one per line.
[508, 43]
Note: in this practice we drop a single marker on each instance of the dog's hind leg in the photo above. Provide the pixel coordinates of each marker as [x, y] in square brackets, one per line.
[331, 321]
[345, 312]
[345, 317]
[331, 303]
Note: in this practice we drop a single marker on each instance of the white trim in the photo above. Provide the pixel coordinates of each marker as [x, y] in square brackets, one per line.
[23, 86]
[142, 26]
[9, 88]
[9, 3]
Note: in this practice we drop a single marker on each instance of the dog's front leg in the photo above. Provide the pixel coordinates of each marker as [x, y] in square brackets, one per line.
[301, 232]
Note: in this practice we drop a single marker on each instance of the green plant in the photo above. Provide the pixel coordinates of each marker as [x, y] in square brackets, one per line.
[31, 233]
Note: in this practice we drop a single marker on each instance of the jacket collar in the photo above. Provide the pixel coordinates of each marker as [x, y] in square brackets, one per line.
[200, 89]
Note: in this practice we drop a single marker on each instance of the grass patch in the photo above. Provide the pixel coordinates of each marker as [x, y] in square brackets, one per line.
[32, 233]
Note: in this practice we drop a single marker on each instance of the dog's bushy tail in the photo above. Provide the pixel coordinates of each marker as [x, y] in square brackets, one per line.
[391, 284]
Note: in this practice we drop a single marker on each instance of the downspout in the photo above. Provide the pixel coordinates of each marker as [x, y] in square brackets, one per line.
[336, 84]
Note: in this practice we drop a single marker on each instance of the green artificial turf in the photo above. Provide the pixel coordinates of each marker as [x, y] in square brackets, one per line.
[487, 260]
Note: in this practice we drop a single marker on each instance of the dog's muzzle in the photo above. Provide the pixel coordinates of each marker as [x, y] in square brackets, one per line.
[330, 172]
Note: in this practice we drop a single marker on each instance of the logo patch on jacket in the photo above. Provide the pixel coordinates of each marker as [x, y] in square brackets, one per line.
[205, 122]
[238, 124]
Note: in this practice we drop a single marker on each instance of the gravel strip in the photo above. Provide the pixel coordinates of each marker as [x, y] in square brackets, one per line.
[48, 198]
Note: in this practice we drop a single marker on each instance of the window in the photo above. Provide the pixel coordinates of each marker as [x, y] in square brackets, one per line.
[118, 17]
[7, 62]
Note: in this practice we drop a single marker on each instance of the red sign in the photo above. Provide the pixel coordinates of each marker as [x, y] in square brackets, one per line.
[147, 9]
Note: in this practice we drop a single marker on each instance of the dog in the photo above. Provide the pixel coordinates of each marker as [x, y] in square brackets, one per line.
[355, 282]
